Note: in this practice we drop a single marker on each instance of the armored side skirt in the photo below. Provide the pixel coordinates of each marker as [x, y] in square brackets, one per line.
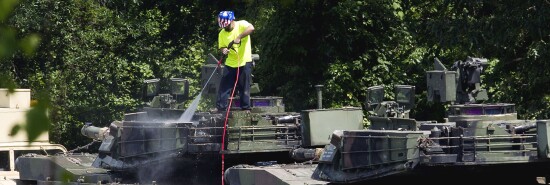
[366, 154]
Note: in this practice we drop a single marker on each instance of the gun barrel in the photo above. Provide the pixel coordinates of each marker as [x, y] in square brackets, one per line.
[306, 154]
[287, 119]
[524, 128]
[94, 132]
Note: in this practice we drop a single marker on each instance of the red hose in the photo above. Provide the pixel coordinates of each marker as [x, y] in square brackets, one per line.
[226, 118]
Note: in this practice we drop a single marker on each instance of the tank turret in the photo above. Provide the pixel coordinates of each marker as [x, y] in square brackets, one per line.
[462, 85]
[398, 108]
[178, 92]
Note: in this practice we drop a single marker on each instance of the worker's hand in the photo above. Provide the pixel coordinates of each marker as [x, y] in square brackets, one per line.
[225, 51]
[237, 40]
[230, 45]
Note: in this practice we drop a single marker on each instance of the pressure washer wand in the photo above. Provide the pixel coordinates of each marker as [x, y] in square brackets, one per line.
[229, 46]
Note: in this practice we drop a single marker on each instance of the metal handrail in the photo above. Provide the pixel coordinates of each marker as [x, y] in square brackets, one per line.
[374, 151]
[145, 140]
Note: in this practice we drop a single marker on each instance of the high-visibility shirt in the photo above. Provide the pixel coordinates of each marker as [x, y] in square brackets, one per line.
[244, 49]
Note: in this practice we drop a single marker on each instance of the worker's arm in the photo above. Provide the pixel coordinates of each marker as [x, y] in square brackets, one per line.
[245, 33]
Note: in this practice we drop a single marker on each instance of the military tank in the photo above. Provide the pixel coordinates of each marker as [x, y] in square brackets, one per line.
[481, 142]
[157, 145]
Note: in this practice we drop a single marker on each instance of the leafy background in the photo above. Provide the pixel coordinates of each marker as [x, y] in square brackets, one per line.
[85, 60]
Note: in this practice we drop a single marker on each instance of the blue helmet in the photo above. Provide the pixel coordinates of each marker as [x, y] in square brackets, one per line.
[225, 18]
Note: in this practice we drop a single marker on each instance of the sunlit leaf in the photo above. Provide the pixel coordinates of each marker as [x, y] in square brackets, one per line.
[6, 7]
[30, 43]
[15, 129]
[37, 119]
[7, 41]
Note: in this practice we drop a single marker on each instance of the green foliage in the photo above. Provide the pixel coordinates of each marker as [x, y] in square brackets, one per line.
[11, 42]
[346, 45]
[514, 34]
[93, 56]
[36, 121]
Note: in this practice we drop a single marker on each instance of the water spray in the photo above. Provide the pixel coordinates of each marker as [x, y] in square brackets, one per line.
[190, 111]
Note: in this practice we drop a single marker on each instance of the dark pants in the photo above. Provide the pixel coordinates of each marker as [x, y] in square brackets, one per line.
[243, 86]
